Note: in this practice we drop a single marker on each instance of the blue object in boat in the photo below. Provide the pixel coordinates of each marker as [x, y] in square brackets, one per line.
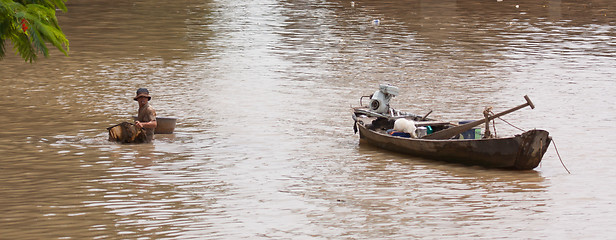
[398, 134]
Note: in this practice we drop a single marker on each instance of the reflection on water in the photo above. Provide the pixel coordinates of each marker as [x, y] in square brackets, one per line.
[379, 190]
[264, 145]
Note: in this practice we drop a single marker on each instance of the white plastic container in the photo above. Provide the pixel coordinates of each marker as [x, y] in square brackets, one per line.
[421, 131]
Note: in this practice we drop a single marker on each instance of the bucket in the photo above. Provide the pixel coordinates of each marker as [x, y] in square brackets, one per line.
[165, 125]
[474, 133]
[421, 131]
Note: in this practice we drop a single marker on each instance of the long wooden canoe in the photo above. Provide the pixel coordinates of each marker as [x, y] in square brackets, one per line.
[521, 152]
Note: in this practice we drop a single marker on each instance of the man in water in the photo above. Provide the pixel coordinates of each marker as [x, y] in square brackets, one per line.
[146, 118]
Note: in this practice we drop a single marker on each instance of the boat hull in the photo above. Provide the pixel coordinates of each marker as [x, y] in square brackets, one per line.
[521, 152]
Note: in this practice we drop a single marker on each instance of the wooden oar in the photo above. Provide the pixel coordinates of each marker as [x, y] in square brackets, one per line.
[452, 132]
[425, 116]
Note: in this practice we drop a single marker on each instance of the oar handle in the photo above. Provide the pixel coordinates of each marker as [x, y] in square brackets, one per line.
[530, 103]
[451, 132]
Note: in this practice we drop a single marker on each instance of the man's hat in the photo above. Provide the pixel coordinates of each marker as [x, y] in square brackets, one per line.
[142, 92]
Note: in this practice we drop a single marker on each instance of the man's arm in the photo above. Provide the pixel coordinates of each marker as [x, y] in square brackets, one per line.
[150, 124]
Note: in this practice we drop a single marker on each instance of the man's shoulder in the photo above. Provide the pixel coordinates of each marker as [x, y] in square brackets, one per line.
[150, 109]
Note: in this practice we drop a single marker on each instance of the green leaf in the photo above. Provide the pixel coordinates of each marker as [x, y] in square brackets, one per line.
[39, 16]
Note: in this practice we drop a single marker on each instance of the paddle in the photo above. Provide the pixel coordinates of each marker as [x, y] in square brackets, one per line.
[451, 132]
[425, 116]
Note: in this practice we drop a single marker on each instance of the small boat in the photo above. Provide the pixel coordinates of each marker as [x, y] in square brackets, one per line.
[164, 125]
[446, 141]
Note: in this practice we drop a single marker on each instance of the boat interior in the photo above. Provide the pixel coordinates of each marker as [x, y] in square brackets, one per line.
[384, 123]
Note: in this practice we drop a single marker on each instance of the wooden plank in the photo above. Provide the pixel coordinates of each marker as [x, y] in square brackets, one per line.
[435, 123]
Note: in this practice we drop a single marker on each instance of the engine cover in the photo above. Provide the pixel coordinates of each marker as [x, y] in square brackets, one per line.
[380, 102]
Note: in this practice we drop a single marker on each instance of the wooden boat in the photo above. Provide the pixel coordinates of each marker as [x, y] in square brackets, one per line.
[521, 152]
[164, 125]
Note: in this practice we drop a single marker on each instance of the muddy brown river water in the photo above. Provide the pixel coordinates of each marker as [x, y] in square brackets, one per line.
[264, 147]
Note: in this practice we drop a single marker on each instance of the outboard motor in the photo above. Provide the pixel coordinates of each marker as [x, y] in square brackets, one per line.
[379, 102]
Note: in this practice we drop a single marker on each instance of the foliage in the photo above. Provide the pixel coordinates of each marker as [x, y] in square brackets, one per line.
[29, 25]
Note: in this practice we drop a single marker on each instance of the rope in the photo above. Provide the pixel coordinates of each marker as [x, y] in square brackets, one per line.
[494, 125]
[512, 125]
[561, 160]
[553, 143]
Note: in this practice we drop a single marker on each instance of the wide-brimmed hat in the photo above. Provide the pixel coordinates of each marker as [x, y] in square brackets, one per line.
[142, 92]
